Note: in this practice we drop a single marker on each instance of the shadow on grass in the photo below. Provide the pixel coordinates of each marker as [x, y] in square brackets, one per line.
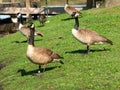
[25, 41]
[24, 73]
[1, 67]
[69, 18]
[66, 19]
[85, 51]
[1, 87]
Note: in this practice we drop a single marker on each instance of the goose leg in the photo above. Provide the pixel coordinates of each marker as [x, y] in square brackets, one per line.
[44, 67]
[88, 49]
[38, 73]
[39, 69]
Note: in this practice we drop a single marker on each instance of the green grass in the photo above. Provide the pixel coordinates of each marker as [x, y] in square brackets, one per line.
[100, 70]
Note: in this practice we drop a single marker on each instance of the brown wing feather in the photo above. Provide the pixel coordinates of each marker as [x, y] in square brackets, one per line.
[71, 8]
[91, 37]
[47, 52]
[95, 37]
[26, 32]
[38, 33]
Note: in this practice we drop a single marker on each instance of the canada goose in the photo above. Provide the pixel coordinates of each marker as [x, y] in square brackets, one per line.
[8, 25]
[25, 30]
[39, 55]
[42, 18]
[88, 37]
[74, 12]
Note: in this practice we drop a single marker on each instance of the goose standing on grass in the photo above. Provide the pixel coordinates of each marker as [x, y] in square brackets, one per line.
[8, 25]
[74, 12]
[25, 30]
[42, 18]
[38, 55]
[88, 37]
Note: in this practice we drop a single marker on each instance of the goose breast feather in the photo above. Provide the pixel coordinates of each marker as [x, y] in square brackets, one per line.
[41, 55]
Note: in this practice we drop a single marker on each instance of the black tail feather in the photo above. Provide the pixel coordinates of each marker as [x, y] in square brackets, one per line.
[61, 62]
[110, 42]
[39, 34]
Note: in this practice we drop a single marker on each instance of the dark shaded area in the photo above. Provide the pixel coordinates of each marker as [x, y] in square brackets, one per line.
[66, 19]
[7, 27]
[25, 41]
[5, 21]
[33, 72]
[85, 51]
[71, 18]
[1, 66]
[1, 87]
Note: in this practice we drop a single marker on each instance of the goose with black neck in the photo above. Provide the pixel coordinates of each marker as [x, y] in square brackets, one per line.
[39, 55]
[88, 37]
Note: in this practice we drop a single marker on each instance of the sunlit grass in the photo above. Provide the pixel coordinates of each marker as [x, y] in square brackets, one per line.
[100, 70]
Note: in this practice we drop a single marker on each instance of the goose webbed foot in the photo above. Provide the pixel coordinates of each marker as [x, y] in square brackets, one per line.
[38, 73]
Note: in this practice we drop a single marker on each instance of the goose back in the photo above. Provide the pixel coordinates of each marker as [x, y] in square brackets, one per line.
[25, 31]
[70, 9]
[87, 36]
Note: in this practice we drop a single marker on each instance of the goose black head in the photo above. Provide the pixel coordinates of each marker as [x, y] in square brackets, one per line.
[19, 15]
[20, 19]
[31, 25]
[14, 18]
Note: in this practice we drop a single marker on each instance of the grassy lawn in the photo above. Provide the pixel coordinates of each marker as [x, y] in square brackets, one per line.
[100, 70]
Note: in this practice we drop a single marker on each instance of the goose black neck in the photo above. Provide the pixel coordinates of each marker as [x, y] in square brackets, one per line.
[31, 37]
[20, 20]
[76, 26]
[66, 1]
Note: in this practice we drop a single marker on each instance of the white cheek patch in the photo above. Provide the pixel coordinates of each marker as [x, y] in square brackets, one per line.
[76, 15]
[19, 15]
[14, 20]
